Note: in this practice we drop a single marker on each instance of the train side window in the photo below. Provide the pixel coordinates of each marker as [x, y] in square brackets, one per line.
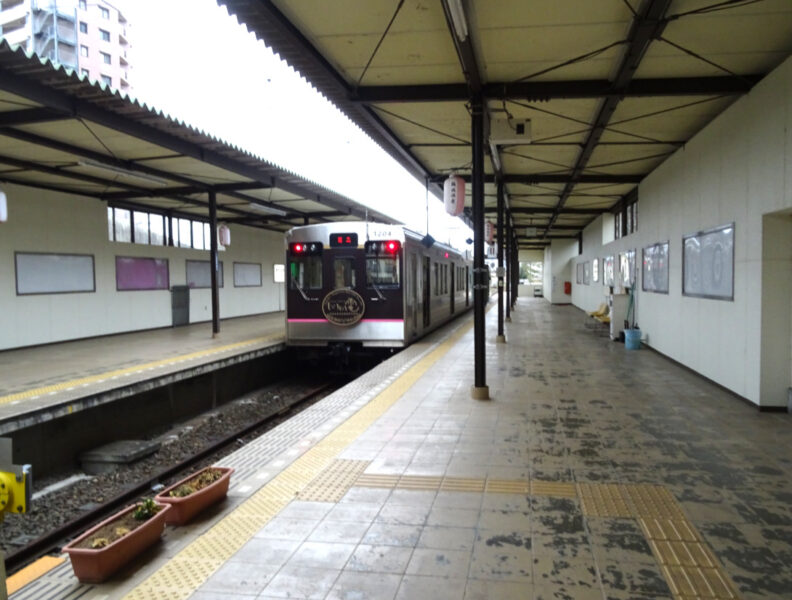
[382, 271]
[306, 272]
[344, 273]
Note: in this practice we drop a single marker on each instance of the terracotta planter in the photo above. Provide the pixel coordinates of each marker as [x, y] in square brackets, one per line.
[185, 508]
[96, 565]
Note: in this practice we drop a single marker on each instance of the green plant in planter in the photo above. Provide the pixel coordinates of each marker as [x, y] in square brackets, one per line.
[145, 510]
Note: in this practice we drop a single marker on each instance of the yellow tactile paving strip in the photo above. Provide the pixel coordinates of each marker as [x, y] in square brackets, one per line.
[33, 571]
[136, 369]
[332, 483]
[184, 573]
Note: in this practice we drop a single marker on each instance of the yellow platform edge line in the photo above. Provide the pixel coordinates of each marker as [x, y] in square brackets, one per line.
[57, 387]
[33, 571]
[298, 474]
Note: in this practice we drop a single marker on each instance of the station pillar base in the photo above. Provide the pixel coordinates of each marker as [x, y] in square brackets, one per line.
[500, 339]
[507, 319]
[479, 393]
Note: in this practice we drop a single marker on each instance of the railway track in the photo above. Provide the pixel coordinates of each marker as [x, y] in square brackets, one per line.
[57, 537]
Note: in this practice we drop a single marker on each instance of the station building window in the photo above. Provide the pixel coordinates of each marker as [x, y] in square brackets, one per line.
[104, 12]
[625, 215]
[83, 50]
[83, 27]
[105, 35]
[142, 227]
[106, 58]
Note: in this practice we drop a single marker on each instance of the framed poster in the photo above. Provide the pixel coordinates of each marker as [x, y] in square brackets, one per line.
[608, 277]
[595, 270]
[136, 273]
[39, 273]
[247, 274]
[708, 263]
[654, 274]
[627, 268]
[199, 274]
[579, 273]
[586, 273]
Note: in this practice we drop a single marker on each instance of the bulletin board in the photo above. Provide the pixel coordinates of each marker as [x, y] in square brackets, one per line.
[708, 263]
[586, 273]
[39, 273]
[627, 268]
[654, 274]
[595, 270]
[199, 274]
[139, 273]
[579, 273]
[608, 276]
[247, 274]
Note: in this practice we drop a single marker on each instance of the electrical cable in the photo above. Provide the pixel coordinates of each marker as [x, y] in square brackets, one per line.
[571, 61]
[726, 5]
[411, 122]
[702, 58]
[379, 43]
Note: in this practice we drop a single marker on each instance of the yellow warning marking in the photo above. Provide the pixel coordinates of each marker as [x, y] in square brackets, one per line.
[652, 501]
[462, 484]
[332, 483]
[183, 574]
[553, 488]
[603, 500]
[508, 486]
[33, 571]
[83, 381]
[377, 481]
[675, 530]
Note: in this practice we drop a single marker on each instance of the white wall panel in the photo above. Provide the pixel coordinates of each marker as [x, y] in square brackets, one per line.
[738, 169]
[42, 221]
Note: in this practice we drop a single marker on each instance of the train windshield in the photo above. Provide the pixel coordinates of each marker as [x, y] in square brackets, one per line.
[306, 272]
[382, 271]
[344, 271]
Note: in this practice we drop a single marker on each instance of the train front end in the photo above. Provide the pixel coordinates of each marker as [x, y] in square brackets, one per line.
[344, 286]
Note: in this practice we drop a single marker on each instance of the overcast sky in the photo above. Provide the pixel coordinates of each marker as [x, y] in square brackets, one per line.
[194, 61]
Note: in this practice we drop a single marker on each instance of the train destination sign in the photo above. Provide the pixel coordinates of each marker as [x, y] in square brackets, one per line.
[343, 307]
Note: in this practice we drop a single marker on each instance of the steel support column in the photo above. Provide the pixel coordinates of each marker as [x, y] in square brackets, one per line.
[509, 242]
[501, 271]
[480, 390]
[515, 273]
[214, 264]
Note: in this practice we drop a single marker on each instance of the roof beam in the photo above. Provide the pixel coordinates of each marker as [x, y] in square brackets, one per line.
[217, 188]
[647, 25]
[551, 178]
[30, 116]
[551, 90]
[78, 108]
[270, 25]
[549, 210]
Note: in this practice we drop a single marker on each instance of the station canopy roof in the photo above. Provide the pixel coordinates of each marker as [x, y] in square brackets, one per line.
[611, 87]
[62, 132]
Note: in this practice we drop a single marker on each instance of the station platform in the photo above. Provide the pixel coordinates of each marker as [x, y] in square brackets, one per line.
[45, 382]
[592, 473]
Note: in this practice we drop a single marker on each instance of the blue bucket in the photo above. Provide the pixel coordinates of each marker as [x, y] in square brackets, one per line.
[632, 339]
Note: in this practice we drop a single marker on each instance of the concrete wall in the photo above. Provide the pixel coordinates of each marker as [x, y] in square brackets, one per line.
[558, 268]
[42, 221]
[735, 170]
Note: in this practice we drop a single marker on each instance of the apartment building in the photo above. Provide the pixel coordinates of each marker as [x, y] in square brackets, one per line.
[86, 35]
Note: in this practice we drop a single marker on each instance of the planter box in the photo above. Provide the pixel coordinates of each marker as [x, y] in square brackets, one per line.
[96, 565]
[185, 508]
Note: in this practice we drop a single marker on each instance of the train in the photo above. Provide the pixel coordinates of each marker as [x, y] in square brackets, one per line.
[354, 286]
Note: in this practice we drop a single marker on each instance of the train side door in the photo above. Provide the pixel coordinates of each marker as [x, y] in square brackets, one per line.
[426, 295]
[452, 268]
[413, 279]
[467, 286]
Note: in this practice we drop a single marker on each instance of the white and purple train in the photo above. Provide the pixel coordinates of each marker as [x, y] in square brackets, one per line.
[369, 285]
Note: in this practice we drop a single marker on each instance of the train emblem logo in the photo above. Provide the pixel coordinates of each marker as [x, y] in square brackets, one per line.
[343, 307]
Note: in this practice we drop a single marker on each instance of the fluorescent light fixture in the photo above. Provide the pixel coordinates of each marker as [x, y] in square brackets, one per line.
[458, 18]
[122, 171]
[495, 156]
[267, 210]
[3, 207]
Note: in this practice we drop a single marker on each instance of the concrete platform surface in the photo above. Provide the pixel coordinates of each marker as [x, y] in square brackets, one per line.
[593, 473]
[32, 379]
